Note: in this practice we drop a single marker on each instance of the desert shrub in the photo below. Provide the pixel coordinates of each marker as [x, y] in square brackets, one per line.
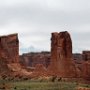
[58, 79]
[53, 78]
[43, 85]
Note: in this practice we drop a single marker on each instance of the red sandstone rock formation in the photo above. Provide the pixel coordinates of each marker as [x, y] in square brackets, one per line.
[39, 70]
[86, 55]
[86, 70]
[9, 51]
[86, 65]
[9, 56]
[32, 59]
[9, 48]
[62, 63]
[61, 55]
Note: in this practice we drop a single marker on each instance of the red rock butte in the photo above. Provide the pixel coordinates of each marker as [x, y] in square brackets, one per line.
[9, 48]
[9, 52]
[61, 55]
[9, 56]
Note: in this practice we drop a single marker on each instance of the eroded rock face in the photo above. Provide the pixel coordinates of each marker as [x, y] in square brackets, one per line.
[86, 70]
[59, 62]
[86, 55]
[9, 52]
[9, 48]
[32, 59]
[39, 70]
[3, 66]
[86, 65]
[9, 56]
[61, 55]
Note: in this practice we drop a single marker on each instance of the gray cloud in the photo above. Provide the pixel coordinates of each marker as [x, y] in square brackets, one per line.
[34, 20]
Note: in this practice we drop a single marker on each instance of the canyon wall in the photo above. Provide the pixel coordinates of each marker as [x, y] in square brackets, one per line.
[32, 59]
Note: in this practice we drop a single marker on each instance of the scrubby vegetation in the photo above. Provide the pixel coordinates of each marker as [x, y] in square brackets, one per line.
[39, 85]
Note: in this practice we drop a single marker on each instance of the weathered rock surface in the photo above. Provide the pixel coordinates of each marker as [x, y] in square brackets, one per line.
[39, 70]
[77, 57]
[86, 70]
[86, 65]
[61, 55]
[32, 59]
[9, 48]
[9, 52]
[86, 55]
[60, 62]
[9, 56]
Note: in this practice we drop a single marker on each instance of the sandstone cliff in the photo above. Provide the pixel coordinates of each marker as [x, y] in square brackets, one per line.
[61, 55]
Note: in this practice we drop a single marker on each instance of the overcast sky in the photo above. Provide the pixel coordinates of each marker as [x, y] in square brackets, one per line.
[35, 20]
